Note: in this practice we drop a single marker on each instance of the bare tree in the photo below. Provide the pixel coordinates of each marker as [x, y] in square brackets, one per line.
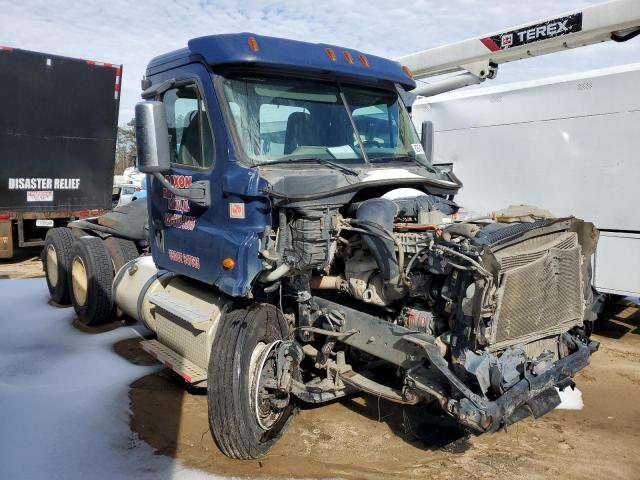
[126, 147]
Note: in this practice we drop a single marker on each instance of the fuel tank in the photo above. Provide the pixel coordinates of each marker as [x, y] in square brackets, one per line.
[183, 313]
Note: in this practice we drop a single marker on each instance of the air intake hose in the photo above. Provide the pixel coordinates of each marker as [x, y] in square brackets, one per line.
[381, 211]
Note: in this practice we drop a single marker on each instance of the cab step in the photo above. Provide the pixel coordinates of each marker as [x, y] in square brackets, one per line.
[194, 317]
[189, 371]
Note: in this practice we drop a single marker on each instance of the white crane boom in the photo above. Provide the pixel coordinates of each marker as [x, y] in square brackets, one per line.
[479, 57]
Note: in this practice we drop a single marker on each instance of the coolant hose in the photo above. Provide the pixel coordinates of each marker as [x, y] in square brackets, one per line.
[382, 212]
[278, 273]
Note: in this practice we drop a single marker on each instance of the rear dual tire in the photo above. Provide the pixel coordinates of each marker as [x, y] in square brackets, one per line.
[121, 251]
[80, 270]
[56, 256]
[90, 278]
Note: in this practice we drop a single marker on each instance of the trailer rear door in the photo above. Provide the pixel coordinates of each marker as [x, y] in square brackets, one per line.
[58, 131]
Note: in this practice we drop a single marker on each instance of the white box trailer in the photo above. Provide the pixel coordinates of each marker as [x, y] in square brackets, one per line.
[570, 144]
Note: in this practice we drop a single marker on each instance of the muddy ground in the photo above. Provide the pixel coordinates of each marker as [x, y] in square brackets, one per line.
[24, 264]
[362, 437]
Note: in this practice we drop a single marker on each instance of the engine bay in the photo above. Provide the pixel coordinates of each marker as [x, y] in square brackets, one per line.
[500, 299]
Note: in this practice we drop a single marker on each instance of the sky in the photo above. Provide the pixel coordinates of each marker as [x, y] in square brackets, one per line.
[131, 32]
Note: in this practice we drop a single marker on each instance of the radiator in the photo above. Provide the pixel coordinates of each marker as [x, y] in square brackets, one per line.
[540, 290]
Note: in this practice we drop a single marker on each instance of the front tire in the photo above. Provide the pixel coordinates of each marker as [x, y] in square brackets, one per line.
[239, 423]
[90, 279]
[55, 261]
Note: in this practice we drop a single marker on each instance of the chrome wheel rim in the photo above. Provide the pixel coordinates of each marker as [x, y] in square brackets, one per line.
[262, 379]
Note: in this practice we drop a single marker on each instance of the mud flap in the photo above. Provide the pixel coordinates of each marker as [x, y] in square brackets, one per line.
[6, 239]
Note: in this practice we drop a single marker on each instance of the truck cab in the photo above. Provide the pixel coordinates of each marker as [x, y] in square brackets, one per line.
[265, 120]
[303, 247]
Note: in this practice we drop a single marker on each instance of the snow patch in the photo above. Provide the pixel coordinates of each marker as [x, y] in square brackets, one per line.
[635, 300]
[571, 399]
[64, 397]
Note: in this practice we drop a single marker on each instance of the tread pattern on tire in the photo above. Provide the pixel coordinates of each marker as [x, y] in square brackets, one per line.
[121, 250]
[98, 307]
[62, 240]
[227, 380]
[218, 378]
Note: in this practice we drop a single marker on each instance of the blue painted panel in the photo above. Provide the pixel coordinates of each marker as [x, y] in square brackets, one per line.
[199, 253]
[291, 55]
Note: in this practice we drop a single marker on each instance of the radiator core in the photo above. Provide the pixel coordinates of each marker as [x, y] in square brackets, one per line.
[540, 290]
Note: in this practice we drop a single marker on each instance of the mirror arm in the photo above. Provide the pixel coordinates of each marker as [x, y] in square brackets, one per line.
[199, 193]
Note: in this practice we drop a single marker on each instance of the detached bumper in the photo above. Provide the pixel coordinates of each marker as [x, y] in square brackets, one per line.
[534, 395]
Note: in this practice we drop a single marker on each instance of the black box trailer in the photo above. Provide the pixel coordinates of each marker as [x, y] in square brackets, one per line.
[58, 127]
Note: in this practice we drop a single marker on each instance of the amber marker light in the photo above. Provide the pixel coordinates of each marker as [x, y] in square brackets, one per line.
[228, 263]
[331, 54]
[253, 44]
[364, 60]
[407, 71]
[348, 56]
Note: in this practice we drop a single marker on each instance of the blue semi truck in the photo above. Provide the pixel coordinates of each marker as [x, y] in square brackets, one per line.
[300, 246]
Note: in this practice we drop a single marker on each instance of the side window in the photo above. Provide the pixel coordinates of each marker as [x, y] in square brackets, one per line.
[189, 127]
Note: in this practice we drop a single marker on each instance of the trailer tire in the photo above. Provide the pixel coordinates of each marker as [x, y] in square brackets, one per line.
[232, 413]
[56, 256]
[121, 251]
[90, 279]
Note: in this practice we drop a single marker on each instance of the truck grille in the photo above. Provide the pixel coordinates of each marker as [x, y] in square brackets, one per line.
[540, 291]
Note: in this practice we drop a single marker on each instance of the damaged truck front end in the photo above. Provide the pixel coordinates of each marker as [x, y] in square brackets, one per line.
[320, 253]
[495, 319]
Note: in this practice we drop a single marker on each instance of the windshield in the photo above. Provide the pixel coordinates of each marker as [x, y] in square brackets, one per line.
[281, 119]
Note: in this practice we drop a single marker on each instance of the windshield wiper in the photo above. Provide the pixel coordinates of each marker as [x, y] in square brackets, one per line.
[322, 161]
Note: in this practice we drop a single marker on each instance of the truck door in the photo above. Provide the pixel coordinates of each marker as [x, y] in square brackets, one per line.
[219, 244]
[183, 235]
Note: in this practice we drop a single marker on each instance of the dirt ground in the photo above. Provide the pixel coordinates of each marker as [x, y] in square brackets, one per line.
[362, 437]
[25, 264]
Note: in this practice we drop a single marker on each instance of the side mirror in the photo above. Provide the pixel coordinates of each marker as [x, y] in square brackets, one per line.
[427, 139]
[152, 138]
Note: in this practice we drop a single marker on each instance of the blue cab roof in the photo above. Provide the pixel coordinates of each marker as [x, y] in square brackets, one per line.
[280, 53]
